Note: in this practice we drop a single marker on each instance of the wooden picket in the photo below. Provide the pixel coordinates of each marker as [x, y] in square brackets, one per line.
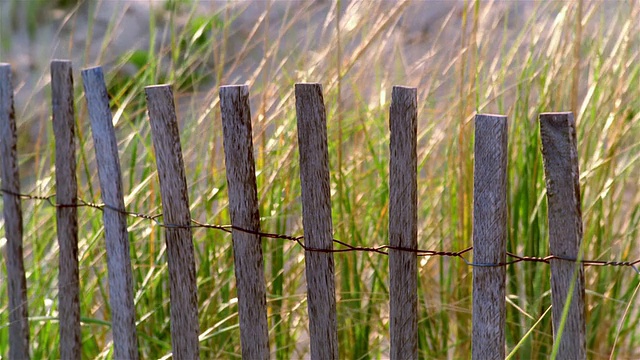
[243, 208]
[560, 155]
[125, 340]
[489, 237]
[316, 220]
[67, 217]
[175, 205]
[403, 223]
[18, 314]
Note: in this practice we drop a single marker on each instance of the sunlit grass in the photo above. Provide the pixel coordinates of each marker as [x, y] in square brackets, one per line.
[479, 58]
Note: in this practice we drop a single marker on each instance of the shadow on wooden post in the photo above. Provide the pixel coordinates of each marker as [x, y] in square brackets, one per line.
[17, 289]
[243, 209]
[560, 155]
[175, 209]
[489, 237]
[316, 220]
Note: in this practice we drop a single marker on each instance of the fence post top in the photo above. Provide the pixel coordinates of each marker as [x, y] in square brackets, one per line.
[92, 69]
[158, 86]
[308, 84]
[240, 90]
[481, 115]
[403, 87]
[234, 86]
[556, 113]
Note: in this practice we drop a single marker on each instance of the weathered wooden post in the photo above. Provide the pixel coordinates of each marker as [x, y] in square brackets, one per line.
[17, 289]
[67, 216]
[316, 219]
[243, 209]
[403, 223]
[175, 208]
[125, 340]
[562, 175]
[489, 237]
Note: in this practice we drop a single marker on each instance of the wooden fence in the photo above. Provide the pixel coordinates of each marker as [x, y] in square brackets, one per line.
[489, 223]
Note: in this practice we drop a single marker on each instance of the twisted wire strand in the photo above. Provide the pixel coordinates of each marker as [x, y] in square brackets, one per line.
[345, 247]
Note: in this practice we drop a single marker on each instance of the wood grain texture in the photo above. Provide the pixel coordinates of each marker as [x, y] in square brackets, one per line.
[125, 341]
[403, 223]
[243, 208]
[560, 156]
[316, 219]
[66, 217]
[17, 282]
[175, 208]
[489, 237]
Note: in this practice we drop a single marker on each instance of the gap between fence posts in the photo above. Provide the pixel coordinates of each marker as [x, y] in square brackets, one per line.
[175, 209]
[244, 213]
[17, 289]
[560, 156]
[63, 116]
[316, 220]
[125, 341]
[403, 223]
[489, 237]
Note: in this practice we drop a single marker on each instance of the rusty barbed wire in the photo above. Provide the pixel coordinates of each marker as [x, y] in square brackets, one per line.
[382, 249]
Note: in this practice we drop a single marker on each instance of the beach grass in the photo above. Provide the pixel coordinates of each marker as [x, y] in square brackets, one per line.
[480, 58]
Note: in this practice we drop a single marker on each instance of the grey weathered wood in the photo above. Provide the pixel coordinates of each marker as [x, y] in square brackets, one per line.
[67, 217]
[125, 341]
[17, 289]
[560, 155]
[243, 208]
[489, 237]
[316, 219]
[175, 207]
[403, 223]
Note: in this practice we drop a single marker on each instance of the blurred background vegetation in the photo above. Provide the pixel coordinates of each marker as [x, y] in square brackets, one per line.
[513, 58]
